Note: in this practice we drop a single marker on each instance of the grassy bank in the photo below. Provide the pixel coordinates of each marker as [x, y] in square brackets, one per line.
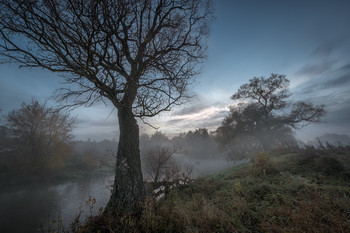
[288, 193]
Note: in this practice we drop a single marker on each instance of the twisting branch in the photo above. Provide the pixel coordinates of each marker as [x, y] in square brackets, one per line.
[110, 49]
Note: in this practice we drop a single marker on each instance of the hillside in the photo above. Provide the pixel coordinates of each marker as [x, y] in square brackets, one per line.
[288, 193]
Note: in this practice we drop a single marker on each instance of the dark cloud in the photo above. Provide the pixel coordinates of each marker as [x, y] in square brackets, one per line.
[193, 108]
[324, 50]
[339, 117]
[337, 106]
[313, 87]
[175, 121]
[344, 79]
[316, 69]
[323, 73]
[345, 67]
[322, 54]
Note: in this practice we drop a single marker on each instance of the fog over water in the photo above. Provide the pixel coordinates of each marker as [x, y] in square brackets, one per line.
[39, 204]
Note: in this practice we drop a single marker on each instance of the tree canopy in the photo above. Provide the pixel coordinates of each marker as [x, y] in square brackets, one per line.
[265, 114]
[38, 138]
[139, 53]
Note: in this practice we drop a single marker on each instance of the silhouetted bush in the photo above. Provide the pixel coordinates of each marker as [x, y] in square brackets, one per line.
[329, 166]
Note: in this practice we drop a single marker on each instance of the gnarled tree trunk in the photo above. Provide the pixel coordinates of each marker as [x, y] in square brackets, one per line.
[128, 189]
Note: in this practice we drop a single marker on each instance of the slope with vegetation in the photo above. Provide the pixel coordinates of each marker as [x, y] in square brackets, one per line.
[307, 191]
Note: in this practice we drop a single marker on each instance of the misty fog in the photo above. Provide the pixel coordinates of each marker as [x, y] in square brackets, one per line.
[206, 136]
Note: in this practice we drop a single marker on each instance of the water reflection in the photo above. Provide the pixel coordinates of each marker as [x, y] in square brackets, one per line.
[23, 208]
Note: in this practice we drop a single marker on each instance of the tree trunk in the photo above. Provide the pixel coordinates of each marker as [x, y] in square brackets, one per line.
[128, 189]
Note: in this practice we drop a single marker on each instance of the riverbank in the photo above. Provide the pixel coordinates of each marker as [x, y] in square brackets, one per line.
[285, 193]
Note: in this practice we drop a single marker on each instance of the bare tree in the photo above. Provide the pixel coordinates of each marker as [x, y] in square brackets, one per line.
[156, 161]
[163, 172]
[140, 55]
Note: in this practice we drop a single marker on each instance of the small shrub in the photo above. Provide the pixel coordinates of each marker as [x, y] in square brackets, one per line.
[329, 166]
[261, 160]
[261, 163]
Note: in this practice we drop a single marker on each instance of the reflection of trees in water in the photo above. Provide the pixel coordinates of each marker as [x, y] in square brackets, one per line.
[23, 210]
[74, 195]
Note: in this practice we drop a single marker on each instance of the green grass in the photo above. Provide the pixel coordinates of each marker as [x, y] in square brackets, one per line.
[289, 193]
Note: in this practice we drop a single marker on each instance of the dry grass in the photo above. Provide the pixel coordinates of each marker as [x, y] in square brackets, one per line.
[294, 193]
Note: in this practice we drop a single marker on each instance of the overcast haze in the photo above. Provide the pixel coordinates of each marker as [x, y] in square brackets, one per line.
[309, 41]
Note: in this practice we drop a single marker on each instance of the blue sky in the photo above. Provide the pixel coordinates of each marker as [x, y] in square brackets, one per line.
[309, 41]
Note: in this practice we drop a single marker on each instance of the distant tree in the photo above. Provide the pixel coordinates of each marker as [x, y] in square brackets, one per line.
[156, 162]
[39, 138]
[144, 138]
[139, 55]
[4, 142]
[262, 114]
[197, 144]
[159, 139]
[198, 135]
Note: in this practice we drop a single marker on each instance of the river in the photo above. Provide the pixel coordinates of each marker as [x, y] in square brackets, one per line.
[25, 208]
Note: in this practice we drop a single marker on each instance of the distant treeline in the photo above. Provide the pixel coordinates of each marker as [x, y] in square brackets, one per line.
[37, 139]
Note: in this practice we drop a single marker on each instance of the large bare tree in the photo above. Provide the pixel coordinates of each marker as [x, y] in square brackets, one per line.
[138, 54]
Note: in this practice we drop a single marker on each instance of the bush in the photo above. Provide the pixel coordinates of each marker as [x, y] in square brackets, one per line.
[329, 166]
[261, 160]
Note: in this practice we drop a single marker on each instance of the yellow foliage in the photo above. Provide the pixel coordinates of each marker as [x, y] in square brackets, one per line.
[261, 160]
[238, 187]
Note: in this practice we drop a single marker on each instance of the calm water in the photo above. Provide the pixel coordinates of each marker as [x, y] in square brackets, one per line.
[24, 208]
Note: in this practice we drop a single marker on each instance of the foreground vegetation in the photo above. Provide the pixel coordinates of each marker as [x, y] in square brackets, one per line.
[300, 192]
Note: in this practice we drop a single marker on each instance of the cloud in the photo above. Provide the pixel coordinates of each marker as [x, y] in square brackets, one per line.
[344, 79]
[328, 72]
[210, 118]
[315, 69]
[345, 67]
[191, 109]
[335, 79]
[325, 49]
[174, 121]
[340, 117]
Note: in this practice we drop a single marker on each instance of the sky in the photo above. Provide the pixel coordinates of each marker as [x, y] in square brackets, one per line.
[308, 41]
